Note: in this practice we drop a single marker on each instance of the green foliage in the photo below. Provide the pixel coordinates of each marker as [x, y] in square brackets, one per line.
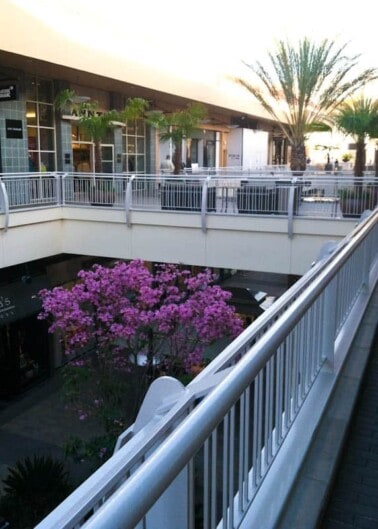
[134, 109]
[177, 126]
[359, 118]
[303, 86]
[97, 126]
[95, 450]
[32, 489]
[111, 397]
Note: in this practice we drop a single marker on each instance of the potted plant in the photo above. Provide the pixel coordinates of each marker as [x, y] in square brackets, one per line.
[346, 157]
[353, 202]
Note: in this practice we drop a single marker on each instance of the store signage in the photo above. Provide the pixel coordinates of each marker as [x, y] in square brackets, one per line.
[7, 308]
[13, 128]
[8, 92]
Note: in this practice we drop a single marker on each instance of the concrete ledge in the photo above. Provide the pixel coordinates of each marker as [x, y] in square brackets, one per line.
[310, 491]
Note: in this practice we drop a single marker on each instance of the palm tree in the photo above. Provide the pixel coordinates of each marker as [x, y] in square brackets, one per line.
[359, 118]
[304, 87]
[177, 126]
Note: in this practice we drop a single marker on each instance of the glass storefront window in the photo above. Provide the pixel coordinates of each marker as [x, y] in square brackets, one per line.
[46, 115]
[140, 164]
[40, 125]
[46, 139]
[134, 142]
[32, 139]
[47, 161]
[140, 145]
[31, 113]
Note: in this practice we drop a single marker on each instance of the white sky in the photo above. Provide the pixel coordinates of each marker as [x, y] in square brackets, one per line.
[202, 39]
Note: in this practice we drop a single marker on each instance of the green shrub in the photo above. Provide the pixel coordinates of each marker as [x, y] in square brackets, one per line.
[32, 489]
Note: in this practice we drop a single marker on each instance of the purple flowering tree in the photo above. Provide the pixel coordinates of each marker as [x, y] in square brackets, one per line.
[134, 325]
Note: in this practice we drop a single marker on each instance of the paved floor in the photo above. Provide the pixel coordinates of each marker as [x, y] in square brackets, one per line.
[38, 423]
[353, 503]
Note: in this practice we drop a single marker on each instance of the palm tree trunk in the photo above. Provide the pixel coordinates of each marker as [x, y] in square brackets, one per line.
[188, 152]
[177, 157]
[97, 157]
[359, 165]
[298, 157]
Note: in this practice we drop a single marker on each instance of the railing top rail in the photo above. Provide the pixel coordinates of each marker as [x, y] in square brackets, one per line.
[201, 173]
[4, 176]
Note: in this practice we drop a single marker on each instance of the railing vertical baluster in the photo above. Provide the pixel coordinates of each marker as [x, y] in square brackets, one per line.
[279, 396]
[329, 322]
[259, 418]
[242, 453]
[365, 268]
[255, 444]
[4, 194]
[232, 470]
[206, 484]
[225, 470]
[213, 486]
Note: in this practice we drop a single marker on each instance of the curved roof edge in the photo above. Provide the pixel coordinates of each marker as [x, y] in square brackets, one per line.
[25, 35]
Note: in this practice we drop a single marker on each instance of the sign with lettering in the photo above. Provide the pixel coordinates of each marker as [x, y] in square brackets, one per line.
[13, 128]
[7, 308]
[8, 92]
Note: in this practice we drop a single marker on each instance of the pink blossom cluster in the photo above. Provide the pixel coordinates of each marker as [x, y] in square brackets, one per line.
[168, 315]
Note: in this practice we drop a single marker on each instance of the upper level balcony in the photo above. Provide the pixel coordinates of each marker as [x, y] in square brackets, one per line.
[268, 221]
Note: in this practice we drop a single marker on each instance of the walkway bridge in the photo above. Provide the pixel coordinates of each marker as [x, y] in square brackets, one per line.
[264, 221]
[227, 450]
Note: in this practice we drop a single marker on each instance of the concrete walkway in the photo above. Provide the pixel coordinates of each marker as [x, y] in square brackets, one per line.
[353, 503]
[337, 487]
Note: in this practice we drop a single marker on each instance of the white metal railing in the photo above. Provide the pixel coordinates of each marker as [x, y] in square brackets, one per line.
[202, 458]
[31, 190]
[227, 193]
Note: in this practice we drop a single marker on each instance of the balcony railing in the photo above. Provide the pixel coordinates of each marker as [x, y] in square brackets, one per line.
[202, 456]
[228, 192]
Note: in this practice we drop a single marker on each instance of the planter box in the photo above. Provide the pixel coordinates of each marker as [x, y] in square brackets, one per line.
[184, 195]
[102, 193]
[256, 200]
[353, 207]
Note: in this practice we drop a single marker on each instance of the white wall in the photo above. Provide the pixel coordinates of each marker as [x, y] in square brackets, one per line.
[247, 243]
[255, 148]
[247, 148]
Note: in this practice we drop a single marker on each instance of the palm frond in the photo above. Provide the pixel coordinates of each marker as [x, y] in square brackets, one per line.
[307, 82]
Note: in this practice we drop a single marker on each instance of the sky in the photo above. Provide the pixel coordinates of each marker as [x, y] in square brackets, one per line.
[205, 39]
